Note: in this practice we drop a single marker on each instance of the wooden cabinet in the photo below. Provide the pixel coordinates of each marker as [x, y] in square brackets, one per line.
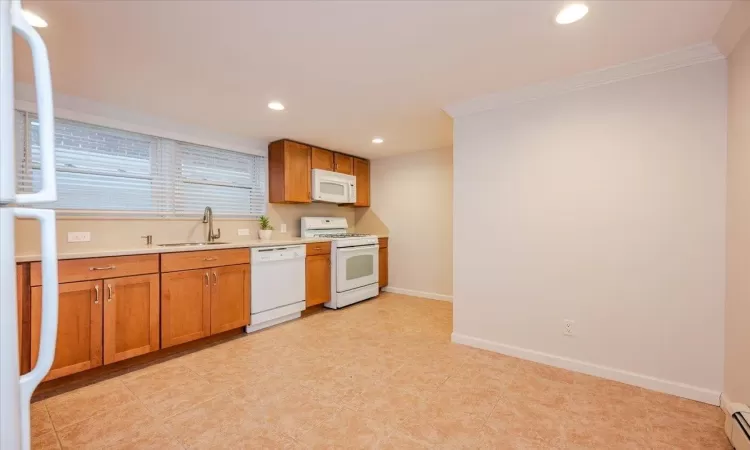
[321, 159]
[79, 329]
[131, 317]
[289, 172]
[362, 172]
[383, 262]
[290, 167]
[185, 306]
[343, 163]
[20, 287]
[230, 297]
[212, 297]
[317, 279]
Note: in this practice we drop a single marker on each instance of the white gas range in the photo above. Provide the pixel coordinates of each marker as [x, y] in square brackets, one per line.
[354, 260]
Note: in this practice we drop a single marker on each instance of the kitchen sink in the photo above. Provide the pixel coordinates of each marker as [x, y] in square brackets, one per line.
[191, 244]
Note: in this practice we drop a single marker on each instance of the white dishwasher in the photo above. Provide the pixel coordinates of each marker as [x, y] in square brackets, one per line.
[277, 285]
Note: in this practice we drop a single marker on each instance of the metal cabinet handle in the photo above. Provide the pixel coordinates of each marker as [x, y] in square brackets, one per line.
[210, 258]
[96, 288]
[109, 287]
[109, 267]
[216, 278]
[206, 275]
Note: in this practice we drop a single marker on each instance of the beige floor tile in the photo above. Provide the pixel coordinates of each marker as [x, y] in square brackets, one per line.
[40, 420]
[528, 420]
[45, 441]
[76, 406]
[188, 392]
[345, 430]
[115, 425]
[464, 397]
[386, 403]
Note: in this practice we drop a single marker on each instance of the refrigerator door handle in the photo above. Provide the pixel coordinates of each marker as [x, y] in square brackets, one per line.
[45, 109]
[48, 333]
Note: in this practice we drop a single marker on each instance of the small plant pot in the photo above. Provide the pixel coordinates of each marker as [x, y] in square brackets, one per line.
[265, 235]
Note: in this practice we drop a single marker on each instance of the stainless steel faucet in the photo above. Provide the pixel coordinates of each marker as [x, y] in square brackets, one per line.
[208, 217]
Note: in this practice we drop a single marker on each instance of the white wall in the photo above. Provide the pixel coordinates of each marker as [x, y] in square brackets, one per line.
[412, 194]
[605, 206]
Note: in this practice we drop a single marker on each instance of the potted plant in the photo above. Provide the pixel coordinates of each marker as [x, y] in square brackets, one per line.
[265, 228]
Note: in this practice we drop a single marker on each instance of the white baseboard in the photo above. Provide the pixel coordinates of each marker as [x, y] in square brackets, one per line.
[656, 384]
[430, 295]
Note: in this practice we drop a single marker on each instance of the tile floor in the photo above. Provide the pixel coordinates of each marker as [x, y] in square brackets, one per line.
[381, 374]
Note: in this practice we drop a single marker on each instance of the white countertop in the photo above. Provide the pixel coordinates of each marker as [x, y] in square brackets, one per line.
[96, 253]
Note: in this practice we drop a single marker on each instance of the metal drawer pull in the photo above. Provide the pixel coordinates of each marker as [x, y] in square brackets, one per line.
[206, 275]
[109, 267]
[216, 278]
[211, 258]
[96, 288]
[109, 286]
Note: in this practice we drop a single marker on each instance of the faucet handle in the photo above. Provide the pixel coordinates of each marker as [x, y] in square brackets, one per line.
[218, 233]
[149, 239]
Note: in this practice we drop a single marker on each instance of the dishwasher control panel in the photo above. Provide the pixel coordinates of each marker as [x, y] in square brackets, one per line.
[281, 253]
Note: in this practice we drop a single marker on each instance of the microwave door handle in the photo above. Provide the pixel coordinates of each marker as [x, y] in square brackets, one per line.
[43, 85]
[48, 329]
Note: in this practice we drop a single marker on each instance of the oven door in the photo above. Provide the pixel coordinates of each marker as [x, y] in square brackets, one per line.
[356, 267]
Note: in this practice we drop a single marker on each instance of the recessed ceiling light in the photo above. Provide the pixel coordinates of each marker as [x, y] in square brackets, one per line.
[276, 106]
[33, 19]
[377, 140]
[571, 13]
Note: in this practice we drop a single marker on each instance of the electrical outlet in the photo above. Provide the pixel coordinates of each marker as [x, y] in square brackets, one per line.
[569, 327]
[243, 232]
[282, 228]
[79, 236]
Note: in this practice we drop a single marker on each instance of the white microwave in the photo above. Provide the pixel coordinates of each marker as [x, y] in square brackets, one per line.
[333, 187]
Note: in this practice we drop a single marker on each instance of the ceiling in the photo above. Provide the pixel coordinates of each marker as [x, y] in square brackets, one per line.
[346, 71]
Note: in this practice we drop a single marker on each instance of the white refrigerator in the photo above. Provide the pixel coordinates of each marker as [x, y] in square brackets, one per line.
[16, 390]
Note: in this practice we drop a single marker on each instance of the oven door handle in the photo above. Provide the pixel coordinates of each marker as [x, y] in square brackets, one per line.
[361, 247]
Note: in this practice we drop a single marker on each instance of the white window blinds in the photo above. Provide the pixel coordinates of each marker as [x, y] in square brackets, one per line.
[107, 171]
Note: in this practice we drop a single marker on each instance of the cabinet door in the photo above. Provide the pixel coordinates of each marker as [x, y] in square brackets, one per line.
[79, 327]
[185, 306]
[362, 172]
[383, 267]
[343, 163]
[131, 317]
[317, 279]
[230, 297]
[321, 159]
[19, 310]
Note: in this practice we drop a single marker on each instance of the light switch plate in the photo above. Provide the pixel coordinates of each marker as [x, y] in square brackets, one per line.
[243, 232]
[79, 236]
[282, 228]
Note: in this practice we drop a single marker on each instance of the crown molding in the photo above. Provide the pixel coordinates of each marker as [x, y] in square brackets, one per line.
[688, 56]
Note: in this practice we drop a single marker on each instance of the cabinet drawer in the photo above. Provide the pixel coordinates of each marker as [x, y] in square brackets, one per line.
[383, 242]
[71, 270]
[318, 248]
[171, 262]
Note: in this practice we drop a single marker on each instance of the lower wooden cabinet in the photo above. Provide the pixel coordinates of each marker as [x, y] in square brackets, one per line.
[230, 297]
[383, 262]
[201, 302]
[79, 328]
[185, 306]
[131, 317]
[317, 279]
[100, 322]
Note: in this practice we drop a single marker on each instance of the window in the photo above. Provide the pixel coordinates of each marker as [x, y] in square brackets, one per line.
[107, 171]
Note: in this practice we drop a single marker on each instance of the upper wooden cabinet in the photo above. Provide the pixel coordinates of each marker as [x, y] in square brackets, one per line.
[321, 159]
[362, 172]
[290, 167]
[343, 163]
[289, 172]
